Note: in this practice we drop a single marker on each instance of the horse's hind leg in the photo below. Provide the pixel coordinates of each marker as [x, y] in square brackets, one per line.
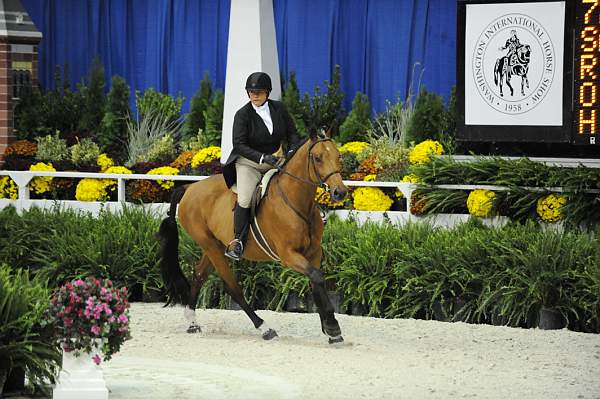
[201, 271]
[235, 291]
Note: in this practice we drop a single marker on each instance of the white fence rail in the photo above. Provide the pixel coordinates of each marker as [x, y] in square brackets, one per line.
[24, 202]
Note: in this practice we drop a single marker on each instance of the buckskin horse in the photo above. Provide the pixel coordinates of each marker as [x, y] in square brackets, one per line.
[516, 64]
[288, 218]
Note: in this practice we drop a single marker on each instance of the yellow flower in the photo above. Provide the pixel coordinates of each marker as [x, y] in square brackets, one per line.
[481, 202]
[165, 170]
[41, 184]
[91, 190]
[111, 183]
[549, 207]
[371, 199]
[355, 147]
[323, 198]
[104, 162]
[370, 178]
[423, 151]
[8, 188]
[205, 155]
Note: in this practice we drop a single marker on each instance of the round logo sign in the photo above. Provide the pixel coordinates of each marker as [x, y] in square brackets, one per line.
[513, 64]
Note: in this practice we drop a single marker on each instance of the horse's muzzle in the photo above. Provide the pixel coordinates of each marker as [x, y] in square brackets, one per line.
[338, 194]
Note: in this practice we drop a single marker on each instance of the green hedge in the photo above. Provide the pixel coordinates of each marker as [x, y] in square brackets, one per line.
[471, 273]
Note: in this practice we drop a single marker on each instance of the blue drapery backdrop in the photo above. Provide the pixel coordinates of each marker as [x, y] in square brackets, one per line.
[169, 44]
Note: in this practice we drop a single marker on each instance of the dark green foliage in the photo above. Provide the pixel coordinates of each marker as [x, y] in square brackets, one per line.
[427, 121]
[29, 114]
[195, 121]
[161, 103]
[214, 119]
[450, 119]
[94, 99]
[322, 111]
[24, 342]
[291, 99]
[357, 124]
[113, 133]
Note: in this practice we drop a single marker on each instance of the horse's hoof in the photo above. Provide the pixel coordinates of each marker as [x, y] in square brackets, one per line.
[336, 340]
[194, 328]
[269, 334]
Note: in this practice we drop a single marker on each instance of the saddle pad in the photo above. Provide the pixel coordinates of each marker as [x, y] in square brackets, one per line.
[264, 183]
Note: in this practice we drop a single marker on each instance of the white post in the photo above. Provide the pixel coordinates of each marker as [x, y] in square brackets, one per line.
[251, 48]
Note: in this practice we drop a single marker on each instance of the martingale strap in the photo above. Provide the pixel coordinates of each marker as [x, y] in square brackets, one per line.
[257, 233]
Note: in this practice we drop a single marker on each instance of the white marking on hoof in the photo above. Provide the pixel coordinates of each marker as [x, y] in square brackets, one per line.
[189, 314]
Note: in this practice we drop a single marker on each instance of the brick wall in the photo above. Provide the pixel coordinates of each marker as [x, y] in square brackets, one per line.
[6, 118]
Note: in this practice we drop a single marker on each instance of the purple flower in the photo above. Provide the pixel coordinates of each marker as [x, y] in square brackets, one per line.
[97, 359]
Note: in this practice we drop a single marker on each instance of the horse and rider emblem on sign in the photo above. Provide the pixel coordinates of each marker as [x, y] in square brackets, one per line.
[513, 63]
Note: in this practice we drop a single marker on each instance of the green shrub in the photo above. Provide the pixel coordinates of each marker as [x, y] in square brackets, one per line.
[323, 111]
[85, 152]
[194, 121]
[161, 151]
[152, 102]
[23, 341]
[93, 99]
[30, 113]
[113, 132]
[213, 117]
[427, 121]
[51, 148]
[291, 99]
[358, 123]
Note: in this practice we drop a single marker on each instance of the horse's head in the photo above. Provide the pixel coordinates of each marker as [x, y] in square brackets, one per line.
[524, 53]
[325, 165]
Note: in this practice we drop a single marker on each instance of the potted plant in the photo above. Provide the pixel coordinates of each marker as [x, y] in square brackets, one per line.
[91, 321]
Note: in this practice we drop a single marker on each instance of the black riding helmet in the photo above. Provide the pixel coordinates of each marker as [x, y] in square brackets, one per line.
[258, 81]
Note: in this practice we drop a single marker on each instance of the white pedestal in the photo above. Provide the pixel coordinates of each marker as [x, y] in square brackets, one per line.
[80, 378]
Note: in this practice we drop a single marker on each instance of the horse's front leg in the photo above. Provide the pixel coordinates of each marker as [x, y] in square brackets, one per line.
[329, 324]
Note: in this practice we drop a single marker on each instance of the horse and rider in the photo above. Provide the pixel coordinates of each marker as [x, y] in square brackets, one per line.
[515, 62]
[287, 220]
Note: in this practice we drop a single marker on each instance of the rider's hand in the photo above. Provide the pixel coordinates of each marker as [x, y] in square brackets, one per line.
[271, 159]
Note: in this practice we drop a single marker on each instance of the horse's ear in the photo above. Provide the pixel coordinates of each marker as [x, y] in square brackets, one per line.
[322, 135]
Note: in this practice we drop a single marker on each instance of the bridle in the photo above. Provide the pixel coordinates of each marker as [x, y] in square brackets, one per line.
[322, 183]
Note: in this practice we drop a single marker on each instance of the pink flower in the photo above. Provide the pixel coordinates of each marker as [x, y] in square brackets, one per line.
[96, 330]
[97, 359]
[123, 319]
[68, 309]
[68, 322]
[79, 283]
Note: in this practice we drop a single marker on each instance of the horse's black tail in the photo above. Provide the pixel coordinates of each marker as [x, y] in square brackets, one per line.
[177, 285]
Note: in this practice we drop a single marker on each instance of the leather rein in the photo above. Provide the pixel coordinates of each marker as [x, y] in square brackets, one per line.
[322, 183]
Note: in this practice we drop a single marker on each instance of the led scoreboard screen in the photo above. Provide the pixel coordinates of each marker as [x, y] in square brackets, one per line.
[529, 71]
[586, 72]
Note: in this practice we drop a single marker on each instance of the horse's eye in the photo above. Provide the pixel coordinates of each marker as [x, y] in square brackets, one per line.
[318, 158]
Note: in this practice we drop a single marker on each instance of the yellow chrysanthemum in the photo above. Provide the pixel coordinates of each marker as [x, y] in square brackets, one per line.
[371, 199]
[112, 183]
[41, 184]
[370, 178]
[481, 202]
[549, 207]
[164, 170]
[8, 188]
[323, 198]
[355, 147]
[205, 155]
[423, 151]
[104, 162]
[91, 190]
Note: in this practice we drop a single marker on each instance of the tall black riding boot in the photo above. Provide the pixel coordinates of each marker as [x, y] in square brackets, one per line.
[241, 222]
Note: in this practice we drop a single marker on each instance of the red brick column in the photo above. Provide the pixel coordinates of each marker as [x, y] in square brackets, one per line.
[6, 119]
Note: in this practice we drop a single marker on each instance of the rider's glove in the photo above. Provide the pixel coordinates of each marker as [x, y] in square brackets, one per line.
[271, 159]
